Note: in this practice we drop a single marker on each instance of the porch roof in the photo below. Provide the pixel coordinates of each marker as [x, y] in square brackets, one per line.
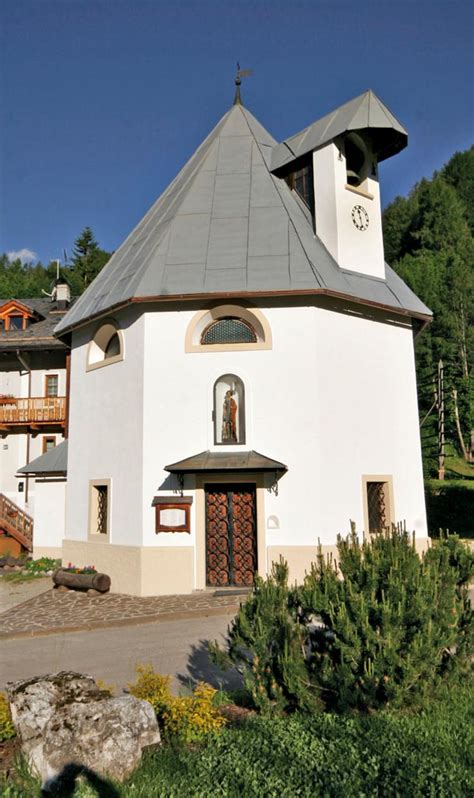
[226, 461]
[53, 462]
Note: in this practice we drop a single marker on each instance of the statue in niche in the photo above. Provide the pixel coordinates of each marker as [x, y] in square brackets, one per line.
[229, 418]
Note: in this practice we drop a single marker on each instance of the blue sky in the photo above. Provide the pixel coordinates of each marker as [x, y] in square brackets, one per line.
[103, 101]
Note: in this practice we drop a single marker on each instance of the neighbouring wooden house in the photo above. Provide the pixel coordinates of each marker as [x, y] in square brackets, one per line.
[242, 370]
[33, 369]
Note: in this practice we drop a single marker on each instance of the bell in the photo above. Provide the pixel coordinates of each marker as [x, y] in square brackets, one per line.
[353, 178]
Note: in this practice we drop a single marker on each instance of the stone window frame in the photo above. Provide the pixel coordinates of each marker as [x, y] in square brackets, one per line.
[93, 534]
[387, 480]
[251, 316]
[96, 351]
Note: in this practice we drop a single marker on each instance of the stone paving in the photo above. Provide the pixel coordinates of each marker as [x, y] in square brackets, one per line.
[55, 612]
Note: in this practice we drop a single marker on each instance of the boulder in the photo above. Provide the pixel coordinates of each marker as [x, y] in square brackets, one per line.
[65, 718]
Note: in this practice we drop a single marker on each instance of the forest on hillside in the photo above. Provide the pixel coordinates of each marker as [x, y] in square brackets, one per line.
[22, 280]
[429, 241]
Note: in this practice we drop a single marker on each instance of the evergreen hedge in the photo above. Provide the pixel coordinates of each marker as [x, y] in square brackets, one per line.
[450, 505]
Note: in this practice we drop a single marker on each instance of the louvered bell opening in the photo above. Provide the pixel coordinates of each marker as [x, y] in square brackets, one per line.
[229, 331]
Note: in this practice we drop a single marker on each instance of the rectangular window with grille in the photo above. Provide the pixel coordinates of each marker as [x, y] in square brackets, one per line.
[378, 498]
[99, 508]
[51, 384]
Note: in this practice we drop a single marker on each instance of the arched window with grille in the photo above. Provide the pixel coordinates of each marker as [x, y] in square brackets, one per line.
[229, 330]
[229, 410]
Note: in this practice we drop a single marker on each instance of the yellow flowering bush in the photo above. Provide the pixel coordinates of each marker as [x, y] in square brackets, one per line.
[192, 717]
[152, 687]
[188, 718]
[7, 730]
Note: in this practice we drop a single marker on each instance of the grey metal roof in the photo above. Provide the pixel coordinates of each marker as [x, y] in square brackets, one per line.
[52, 462]
[226, 226]
[226, 461]
[366, 112]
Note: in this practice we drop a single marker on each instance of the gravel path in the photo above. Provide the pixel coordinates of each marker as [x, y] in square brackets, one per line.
[14, 593]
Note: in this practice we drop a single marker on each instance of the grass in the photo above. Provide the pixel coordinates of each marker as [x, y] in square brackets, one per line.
[390, 754]
[458, 466]
[438, 484]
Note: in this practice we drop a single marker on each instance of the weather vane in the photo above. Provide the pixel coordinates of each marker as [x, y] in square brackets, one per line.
[241, 73]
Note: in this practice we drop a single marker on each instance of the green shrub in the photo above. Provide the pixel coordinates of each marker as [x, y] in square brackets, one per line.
[324, 756]
[384, 628]
[42, 565]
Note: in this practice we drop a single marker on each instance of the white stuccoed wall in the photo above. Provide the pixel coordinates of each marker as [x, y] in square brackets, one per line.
[50, 509]
[106, 435]
[335, 399]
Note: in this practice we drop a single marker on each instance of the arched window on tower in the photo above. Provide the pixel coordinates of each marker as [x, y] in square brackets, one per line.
[229, 411]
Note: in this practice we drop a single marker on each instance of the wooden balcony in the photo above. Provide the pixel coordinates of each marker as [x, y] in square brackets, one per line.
[34, 412]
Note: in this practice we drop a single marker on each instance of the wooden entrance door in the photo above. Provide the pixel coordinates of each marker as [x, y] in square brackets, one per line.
[231, 535]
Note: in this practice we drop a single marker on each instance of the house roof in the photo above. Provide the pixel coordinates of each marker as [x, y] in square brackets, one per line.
[52, 462]
[366, 112]
[226, 461]
[39, 334]
[227, 226]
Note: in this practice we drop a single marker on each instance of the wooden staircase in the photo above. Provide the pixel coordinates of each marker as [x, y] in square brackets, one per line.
[16, 523]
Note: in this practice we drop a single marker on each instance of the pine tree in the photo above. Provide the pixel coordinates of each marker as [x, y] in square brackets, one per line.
[88, 259]
[387, 633]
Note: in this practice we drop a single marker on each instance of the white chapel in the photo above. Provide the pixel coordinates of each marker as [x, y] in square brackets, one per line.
[242, 380]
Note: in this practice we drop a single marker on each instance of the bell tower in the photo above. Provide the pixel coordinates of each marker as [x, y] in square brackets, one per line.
[348, 216]
[343, 150]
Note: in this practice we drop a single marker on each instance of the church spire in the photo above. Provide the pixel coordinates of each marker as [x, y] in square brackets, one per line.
[241, 73]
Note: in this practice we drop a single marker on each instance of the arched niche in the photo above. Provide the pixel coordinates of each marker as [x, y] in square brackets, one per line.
[229, 411]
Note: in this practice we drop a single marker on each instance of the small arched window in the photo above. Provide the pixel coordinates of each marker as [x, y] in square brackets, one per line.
[229, 411]
[106, 346]
[229, 330]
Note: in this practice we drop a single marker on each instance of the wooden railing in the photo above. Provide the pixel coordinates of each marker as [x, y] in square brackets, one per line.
[16, 522]
[36, 409]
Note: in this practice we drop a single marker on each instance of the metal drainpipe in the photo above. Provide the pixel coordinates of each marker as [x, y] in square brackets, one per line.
[28, 369]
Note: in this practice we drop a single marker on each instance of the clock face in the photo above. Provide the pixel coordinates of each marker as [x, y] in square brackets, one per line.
[360, 217]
